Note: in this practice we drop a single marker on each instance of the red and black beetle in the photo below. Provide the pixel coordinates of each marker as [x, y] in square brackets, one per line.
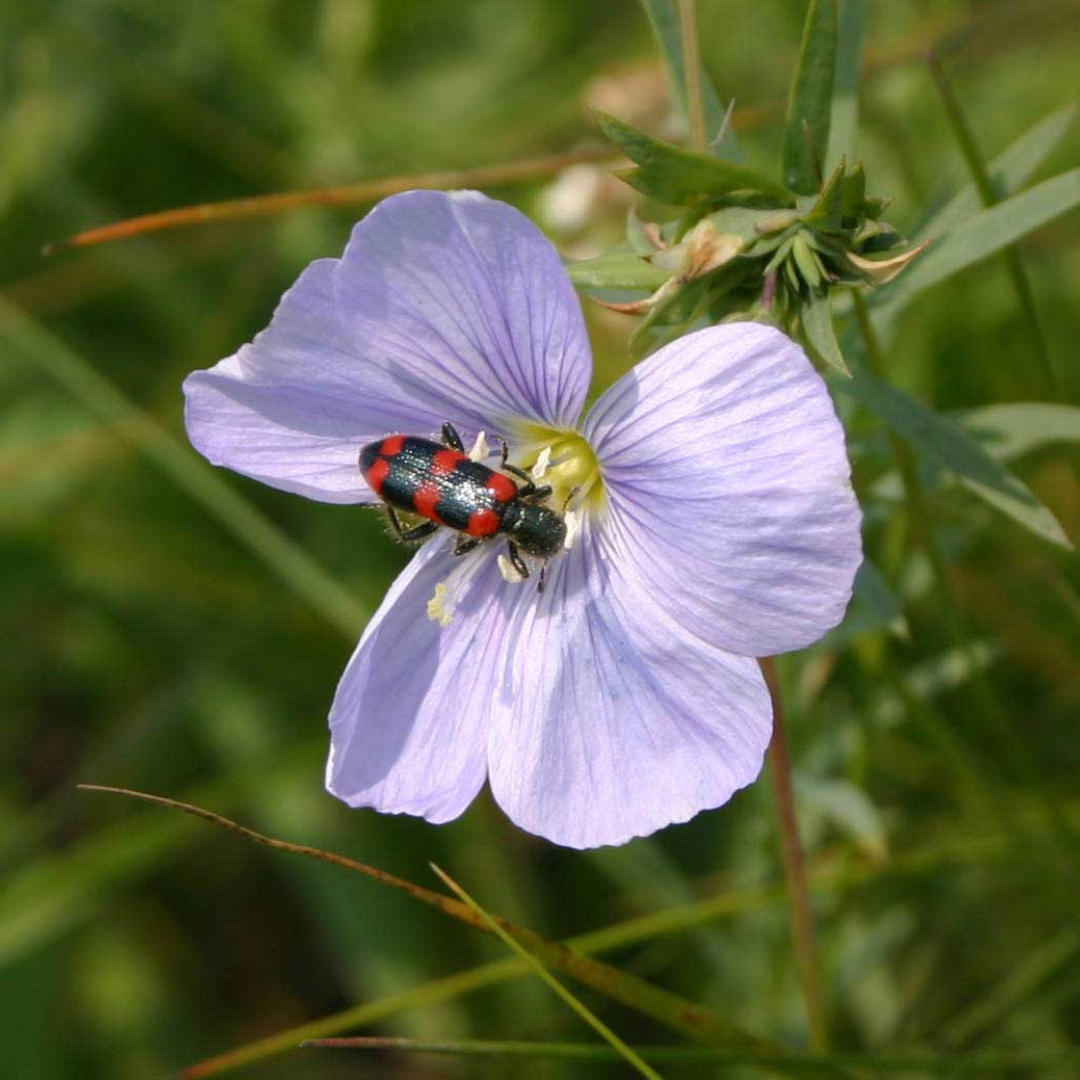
[439, 481]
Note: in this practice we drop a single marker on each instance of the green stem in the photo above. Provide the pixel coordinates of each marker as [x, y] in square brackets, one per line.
[695, 104]
[802, 917]
[911, 1061]
[976, 164]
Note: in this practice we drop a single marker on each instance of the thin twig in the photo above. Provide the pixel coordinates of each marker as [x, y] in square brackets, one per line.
[446, 904]
[802, 918]
[349, 195]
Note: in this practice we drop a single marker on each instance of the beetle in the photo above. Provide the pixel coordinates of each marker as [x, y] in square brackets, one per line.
[439, 481]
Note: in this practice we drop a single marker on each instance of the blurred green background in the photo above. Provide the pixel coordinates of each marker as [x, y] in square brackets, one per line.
[146, 645]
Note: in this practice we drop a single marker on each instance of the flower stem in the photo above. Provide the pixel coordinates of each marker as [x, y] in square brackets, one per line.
[802, 918]
[695, 107]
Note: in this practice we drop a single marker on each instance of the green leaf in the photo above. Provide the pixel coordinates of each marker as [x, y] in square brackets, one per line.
[750, 224]
[817, 324]
[1009, 171]
[1011, 429]
[806, 262]
[844, 114]
[636, 235]
[619, 985]
[616, 272]
[806, 131]
[663, 17]
[945, 442]
[840, 203]
[983, 235]
[675, 175]
[846, 807]
[873, 609]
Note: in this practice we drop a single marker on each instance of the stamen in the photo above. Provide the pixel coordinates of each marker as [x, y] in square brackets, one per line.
[564, 460]
[509, 571]
[542, 462]
[443, 605]
[480, 450]
[437, 611]
[573, 527]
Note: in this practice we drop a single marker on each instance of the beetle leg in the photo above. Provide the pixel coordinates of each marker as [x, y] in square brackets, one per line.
[407, 536]
[537, 493]
[517, 561]
[465, 544]
[543, 574]
[452, 438]
[521, 474]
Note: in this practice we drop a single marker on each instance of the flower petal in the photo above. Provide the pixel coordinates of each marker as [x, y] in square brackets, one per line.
[291, 409]
[614, 720]
[729, 490]
[410, 718]
[464, 306]
[443, 307]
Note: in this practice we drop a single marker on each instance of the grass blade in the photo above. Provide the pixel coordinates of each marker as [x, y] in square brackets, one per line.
[666, 1008]
[946, 442]
[989, 196]
[966, 850]
[1011, 429]
[1009, 171]
[920, 1062]
[25, 338]
[986, 233]
[806, 130]
[530, 958]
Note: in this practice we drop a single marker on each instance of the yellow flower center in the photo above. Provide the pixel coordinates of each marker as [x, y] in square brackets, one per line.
[563, 460]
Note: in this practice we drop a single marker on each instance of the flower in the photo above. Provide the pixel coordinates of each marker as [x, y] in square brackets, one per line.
[716, 523]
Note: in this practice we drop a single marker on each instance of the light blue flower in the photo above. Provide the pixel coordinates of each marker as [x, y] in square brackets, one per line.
[717, 524]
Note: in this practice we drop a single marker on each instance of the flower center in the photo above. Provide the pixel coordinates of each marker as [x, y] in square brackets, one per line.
[559, 459]
[563, 460]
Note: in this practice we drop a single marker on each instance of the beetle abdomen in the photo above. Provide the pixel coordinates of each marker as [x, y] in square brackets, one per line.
[443, 485]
